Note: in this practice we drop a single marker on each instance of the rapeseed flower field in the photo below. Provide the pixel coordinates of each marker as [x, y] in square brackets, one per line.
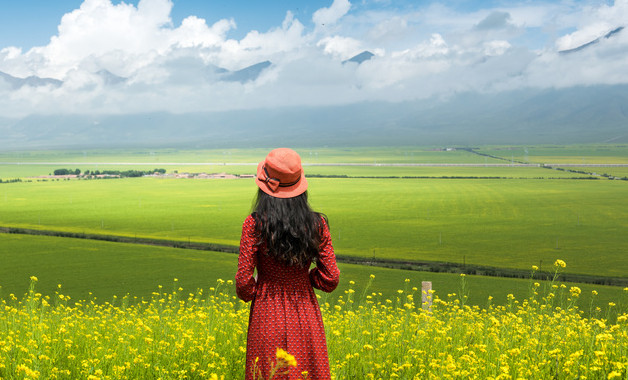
[202, 335]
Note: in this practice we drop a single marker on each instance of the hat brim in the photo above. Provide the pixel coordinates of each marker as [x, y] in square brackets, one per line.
[282, 191]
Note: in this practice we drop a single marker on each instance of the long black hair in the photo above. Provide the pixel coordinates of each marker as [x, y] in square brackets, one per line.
[288, 228]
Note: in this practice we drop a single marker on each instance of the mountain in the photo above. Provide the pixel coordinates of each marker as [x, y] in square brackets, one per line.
[109, 78]
[594, 114]
[364, 56]
[595, 41]
[33, 81]
[246, 74]
[209, 72]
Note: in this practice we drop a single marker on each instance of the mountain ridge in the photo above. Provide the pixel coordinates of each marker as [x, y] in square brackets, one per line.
[593, 114]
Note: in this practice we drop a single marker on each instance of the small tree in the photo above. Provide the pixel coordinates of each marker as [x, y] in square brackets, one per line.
[61, 172]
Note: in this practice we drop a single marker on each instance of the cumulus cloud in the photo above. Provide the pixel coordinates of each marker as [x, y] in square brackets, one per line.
[594, 23]
[331, 15]
[340, 47]
[121, 58]
[495, 20]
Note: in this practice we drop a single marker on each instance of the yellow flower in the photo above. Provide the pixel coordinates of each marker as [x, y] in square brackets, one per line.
[575, 291]
[534, 267]
[33, 278]
[560, 263]
[286, 357]
[613, 375]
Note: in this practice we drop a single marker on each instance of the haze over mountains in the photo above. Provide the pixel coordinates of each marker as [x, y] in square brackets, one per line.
[192, 86]
[582, 114]
[595, 114]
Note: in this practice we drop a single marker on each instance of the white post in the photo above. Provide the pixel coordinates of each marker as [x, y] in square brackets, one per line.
[426, 295]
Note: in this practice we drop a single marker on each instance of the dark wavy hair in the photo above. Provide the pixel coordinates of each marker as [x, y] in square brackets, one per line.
[288, 228]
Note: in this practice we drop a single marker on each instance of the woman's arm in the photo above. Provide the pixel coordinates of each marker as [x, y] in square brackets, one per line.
[326, 275]
[246, 284]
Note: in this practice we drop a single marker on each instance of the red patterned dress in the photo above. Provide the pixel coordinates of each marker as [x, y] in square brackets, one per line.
[284, 312]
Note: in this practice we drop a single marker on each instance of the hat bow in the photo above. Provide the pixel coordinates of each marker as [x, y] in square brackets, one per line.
[272, 183]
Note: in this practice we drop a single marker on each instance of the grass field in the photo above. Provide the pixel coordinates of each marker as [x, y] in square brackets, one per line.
[10, 171]
[189, 327]
[567, 154]
[507, 223]
[308, 155]
[105, 269]
[616, 171]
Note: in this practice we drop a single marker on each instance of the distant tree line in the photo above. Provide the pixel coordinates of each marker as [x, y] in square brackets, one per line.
[120, 173]
[10, 180]
[67, 172]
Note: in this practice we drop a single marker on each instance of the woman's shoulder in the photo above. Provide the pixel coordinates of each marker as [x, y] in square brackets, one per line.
[323, 218]
[250, 220]
[323, 224]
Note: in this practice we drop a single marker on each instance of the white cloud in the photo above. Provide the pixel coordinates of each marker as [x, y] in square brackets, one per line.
[594, 23]
[123, 59]
[436, 46]
[331, 15]
[10, 52]
[194, 32]
[340, 47]
[257, 46]
[496, 47]
[98, 26]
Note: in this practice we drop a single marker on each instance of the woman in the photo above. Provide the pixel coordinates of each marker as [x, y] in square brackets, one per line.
[280, 239]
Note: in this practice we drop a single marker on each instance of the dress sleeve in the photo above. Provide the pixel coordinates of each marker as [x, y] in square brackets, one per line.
[246, 284]
[326, 275]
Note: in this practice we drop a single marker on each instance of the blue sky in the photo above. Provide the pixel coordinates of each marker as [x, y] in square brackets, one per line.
[28, 23]
[165, 53]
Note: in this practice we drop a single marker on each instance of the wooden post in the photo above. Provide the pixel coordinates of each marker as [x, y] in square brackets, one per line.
[426, 295]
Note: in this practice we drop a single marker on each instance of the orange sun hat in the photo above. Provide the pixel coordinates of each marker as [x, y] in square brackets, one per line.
[281, 174]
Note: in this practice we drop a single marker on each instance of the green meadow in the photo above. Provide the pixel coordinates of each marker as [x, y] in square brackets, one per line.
[101, 270]
[563, 154]
[573, 154]
[26, 171]
[504, 217]
[615, 171]
[368, 155]
[503, 223]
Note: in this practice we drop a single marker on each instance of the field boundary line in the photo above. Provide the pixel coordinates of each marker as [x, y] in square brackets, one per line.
[424, 266]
